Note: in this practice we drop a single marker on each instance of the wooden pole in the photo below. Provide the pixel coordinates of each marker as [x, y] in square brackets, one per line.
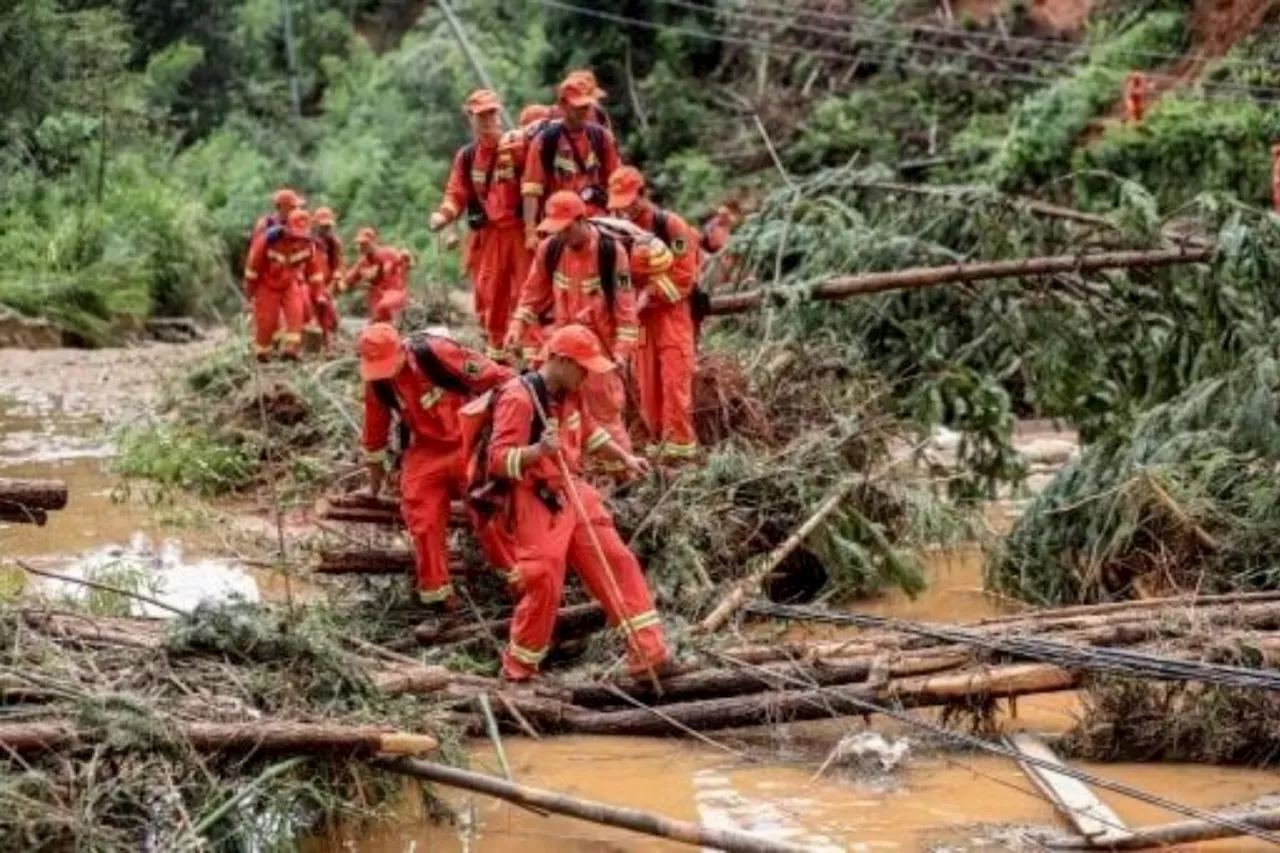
[34, 494]
[746, 587]
[917, 278]
[1174, 834]
[472, 55]
[571, 621]
[589, 810]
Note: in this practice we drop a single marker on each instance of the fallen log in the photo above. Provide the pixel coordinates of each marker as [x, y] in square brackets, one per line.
[256, 737]
[572, 621]
[10, 514]
[588, 810]
[32, 494]
[917, 278]
[820, 703]
[1174, 834]
[357, 508]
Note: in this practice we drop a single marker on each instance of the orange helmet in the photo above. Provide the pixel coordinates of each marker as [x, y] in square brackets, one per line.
[325, 217]
[286, 199]
[366, 236]
[534, 113]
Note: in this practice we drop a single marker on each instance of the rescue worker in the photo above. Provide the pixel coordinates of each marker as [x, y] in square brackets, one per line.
[484, 185]
[422, 382]
[597, 114]
[665, 277]
[1275, 177]
[322, 315]
[282, 263]
[581, 275]
[548, 530]
[285, 201]
[1135, 97]
[572, 154]
[381, 272]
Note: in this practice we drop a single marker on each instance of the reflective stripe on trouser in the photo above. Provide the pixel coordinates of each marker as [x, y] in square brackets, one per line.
[499, 264]
[664, 366]
[546, 544]
[270, 306]
[605, 397]
[428, 482]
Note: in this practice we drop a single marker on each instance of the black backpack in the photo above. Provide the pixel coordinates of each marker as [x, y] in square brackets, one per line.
[606, 262]
[550, 136]
[699, 300]
[476, 217]
[435, 369]
[487, 494]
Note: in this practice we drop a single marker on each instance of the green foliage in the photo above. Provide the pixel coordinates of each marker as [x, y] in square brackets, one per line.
[187, 458]
[1048, 124]
[1184, 146]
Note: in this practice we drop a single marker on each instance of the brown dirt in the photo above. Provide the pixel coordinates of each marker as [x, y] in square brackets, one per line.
[1060, 17]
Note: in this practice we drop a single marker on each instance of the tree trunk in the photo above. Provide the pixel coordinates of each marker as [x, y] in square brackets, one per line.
[917, 278]
[1175, 834]
[358, 508]
[11, 514]
[32, 494]
[588, 810]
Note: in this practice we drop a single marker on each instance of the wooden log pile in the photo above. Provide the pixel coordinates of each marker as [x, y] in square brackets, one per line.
[359, 508]
[30, 501]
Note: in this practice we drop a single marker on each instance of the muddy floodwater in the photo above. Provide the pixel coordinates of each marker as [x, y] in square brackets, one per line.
[57, 419]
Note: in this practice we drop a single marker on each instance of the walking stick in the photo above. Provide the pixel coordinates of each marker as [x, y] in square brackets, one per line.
[615, 592]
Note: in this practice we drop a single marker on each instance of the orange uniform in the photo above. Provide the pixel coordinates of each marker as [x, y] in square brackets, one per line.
[666, 272]
[322, 315]
[282, 264]
[381, 271]
[484, 186]
[568, 284]
[581, 161]
[438, 377]
[1135, 96]
[1275, 177]
[549, 535]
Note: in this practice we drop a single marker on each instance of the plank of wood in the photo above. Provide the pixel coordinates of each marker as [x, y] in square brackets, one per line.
[1091, 817]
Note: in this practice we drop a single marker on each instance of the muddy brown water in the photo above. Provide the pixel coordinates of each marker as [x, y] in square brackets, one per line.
[932, 801]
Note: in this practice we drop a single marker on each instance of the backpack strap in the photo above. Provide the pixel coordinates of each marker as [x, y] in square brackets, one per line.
[550, 141]
[435, 369]
[606, 263]
[661, 227]
[386, 394]
[475, 207]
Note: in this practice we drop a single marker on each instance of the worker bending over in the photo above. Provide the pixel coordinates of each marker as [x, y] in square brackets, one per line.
[571, 153]
[423, 383]
[540, 432]
[665, 273]
[484, 186]
[380, 271]
[283, 262]
[581, 275]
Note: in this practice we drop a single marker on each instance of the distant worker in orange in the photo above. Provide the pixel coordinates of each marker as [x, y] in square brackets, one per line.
[322, 314]
[580, 275]
[422, 383]
[666, 279]
[484, 187]
[572, 153]
[597, 113]
[283, 263]
[285, 201]
[1135, 97]
[1275, 177]
[381, 271]
[549, 530]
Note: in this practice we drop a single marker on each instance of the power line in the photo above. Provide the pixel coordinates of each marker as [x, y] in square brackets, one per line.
[793, 52]
[1005, 752]
[854, 20]
[1061, 66]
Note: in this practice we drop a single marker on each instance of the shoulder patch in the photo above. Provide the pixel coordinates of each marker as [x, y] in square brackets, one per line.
[624, 281]
[678, 245]
[471, 367]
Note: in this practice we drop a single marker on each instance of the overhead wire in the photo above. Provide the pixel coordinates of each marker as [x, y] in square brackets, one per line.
[790, 51]
[1006, 752]
[1119, 661]
[855, 20]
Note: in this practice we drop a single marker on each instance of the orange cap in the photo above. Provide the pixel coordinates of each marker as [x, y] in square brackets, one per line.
[563, 209]
[299, 223]
[581, 346]
[365, 236]
[287, 199]
[577, 92]
[482, 101]
[533, 113]
[324, 217]
[625, 186]
[381, 353]
[588, 76]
